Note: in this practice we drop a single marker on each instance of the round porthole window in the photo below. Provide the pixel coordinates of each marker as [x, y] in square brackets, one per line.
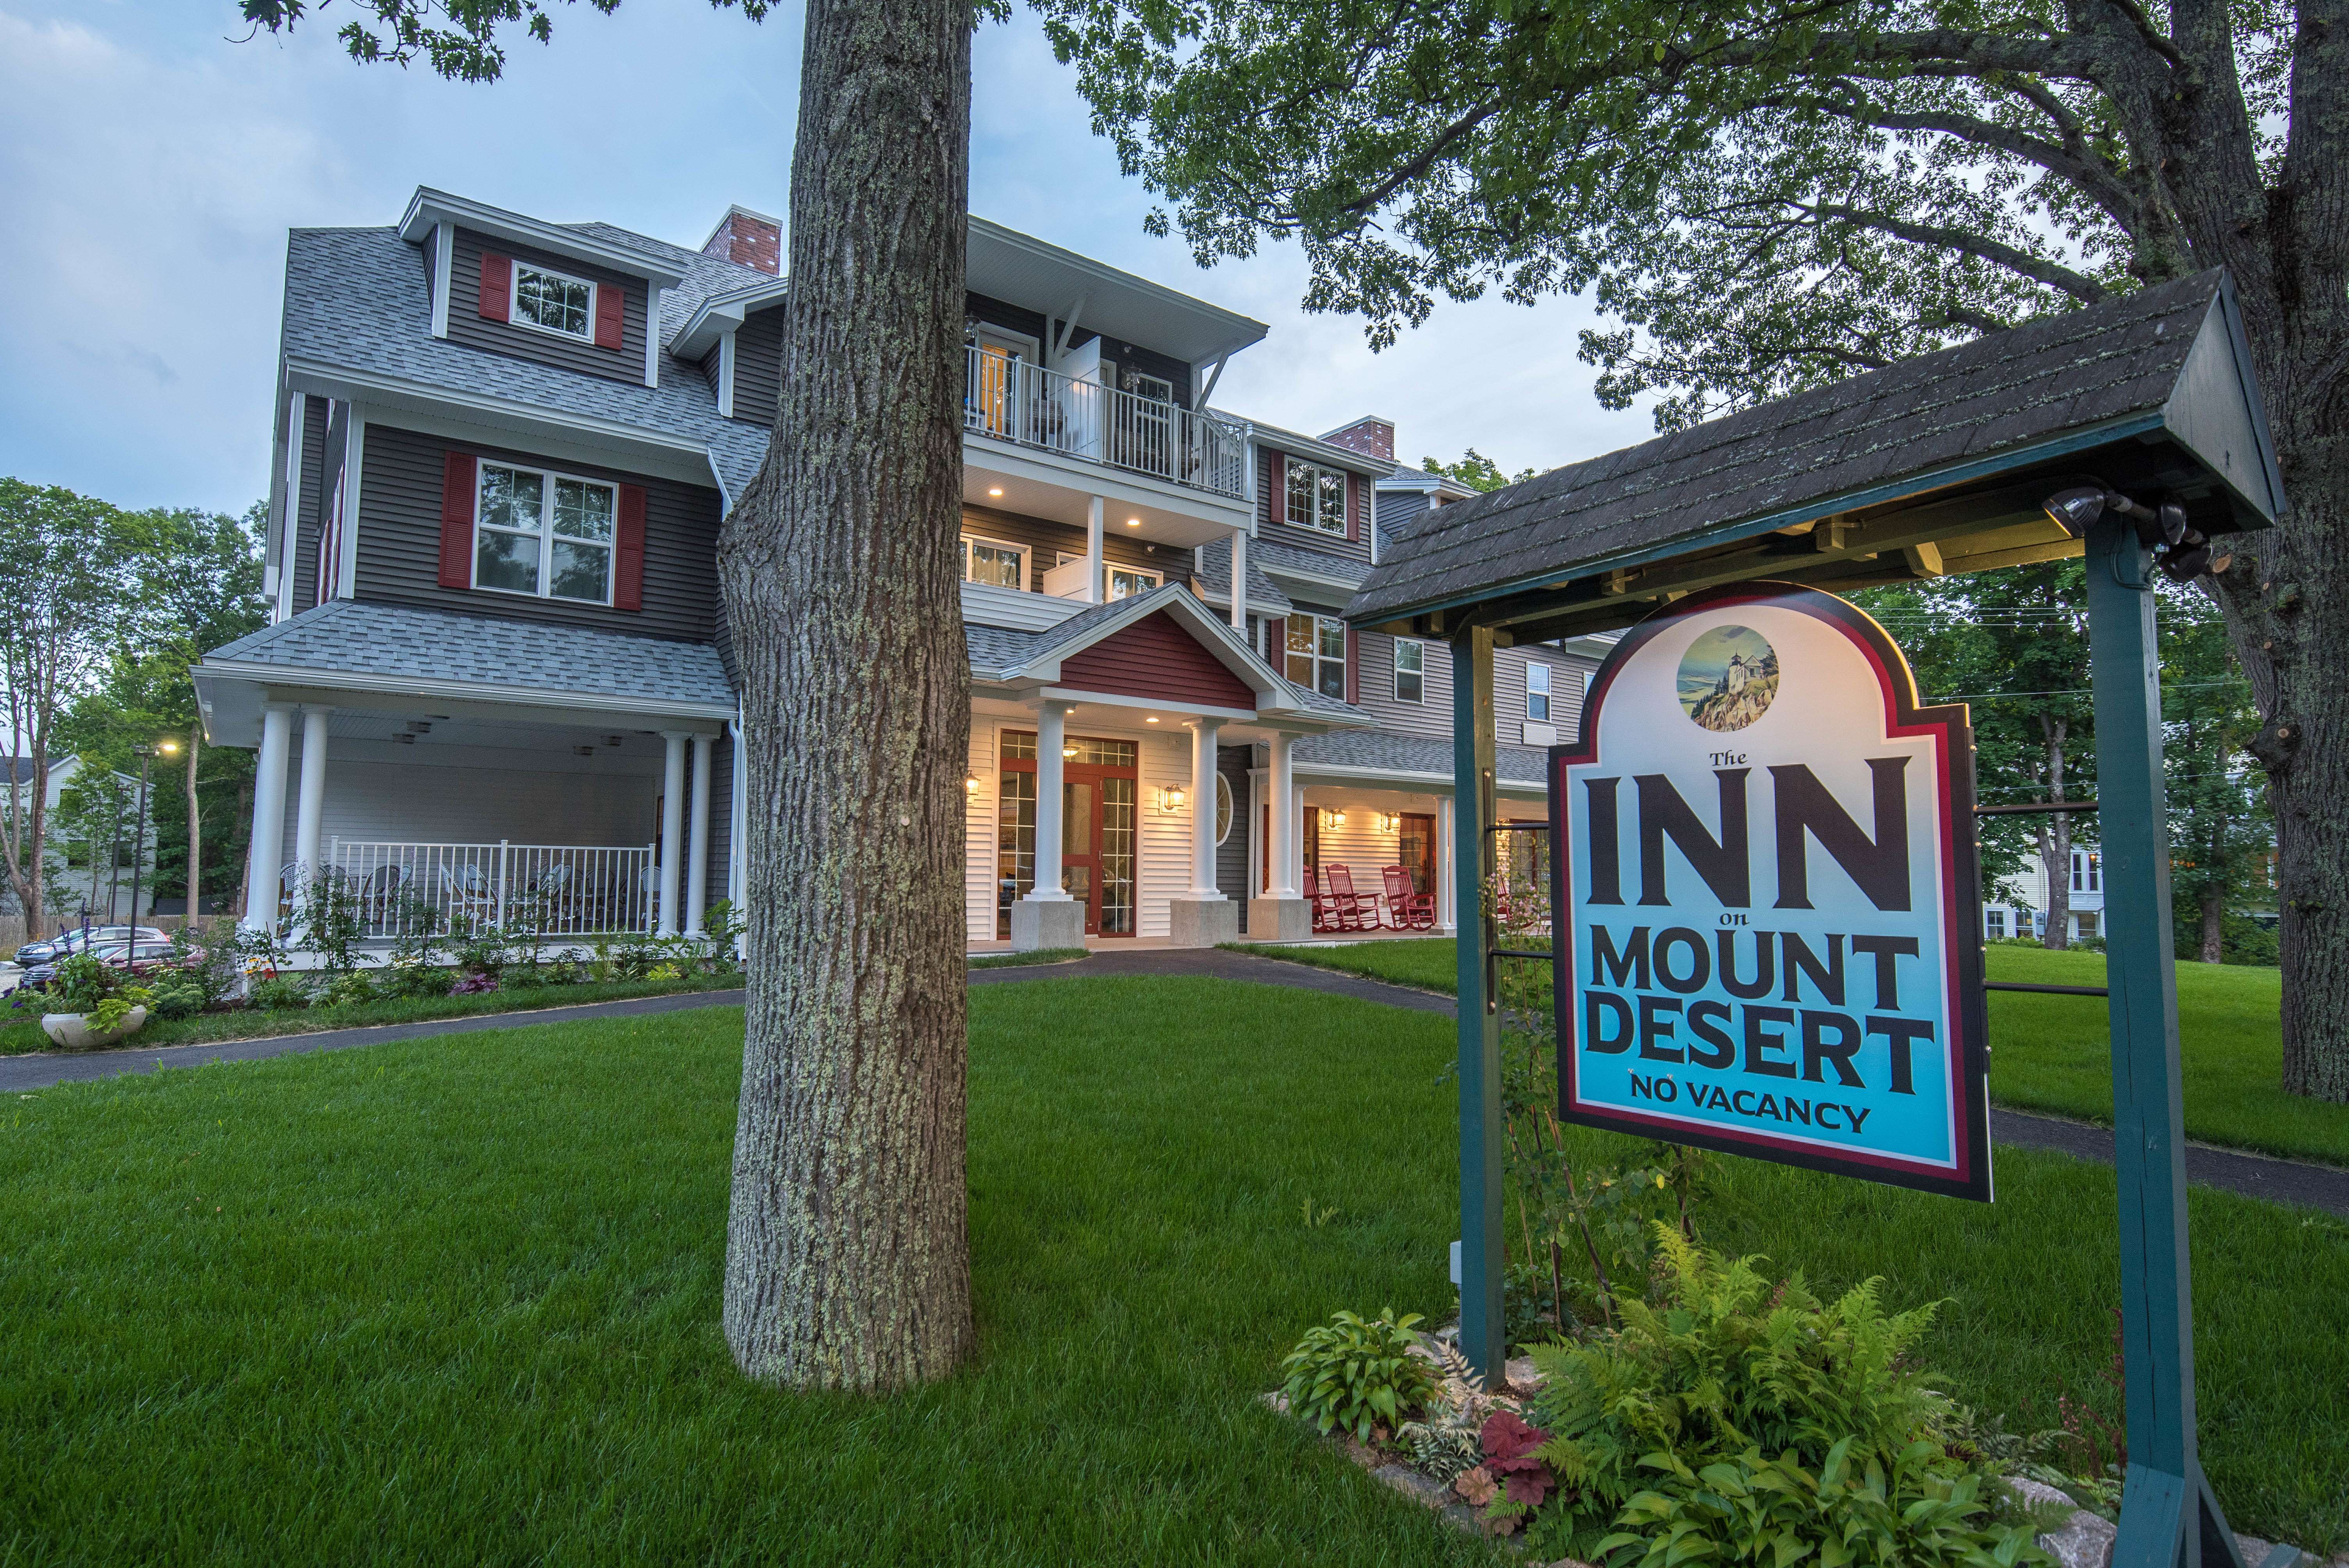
[1223, 808]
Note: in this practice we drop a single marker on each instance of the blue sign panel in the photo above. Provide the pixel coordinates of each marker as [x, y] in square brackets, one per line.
[1767, 893]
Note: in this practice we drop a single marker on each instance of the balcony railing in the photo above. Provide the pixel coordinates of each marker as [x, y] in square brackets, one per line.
[1014, 400]
[547, 889]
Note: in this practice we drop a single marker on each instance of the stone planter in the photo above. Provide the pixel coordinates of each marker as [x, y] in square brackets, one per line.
[72, 1030]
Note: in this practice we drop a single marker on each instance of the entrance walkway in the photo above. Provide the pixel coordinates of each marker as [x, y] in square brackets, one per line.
[2252, 1175]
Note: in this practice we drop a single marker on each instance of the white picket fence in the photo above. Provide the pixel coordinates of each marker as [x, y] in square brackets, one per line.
[551, 890]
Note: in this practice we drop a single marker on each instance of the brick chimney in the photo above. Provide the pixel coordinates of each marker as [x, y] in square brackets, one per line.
[1371, 435]
[747, 239]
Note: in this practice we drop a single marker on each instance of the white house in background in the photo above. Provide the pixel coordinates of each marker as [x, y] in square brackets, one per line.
[497, 679]
[105, 891]
[2023, 913]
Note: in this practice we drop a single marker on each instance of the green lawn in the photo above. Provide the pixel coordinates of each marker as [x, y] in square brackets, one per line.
[456, 1300]
[25, 1034]
[2054, 1052]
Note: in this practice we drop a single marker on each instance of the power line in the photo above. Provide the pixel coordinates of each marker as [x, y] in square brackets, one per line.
[2078, 691]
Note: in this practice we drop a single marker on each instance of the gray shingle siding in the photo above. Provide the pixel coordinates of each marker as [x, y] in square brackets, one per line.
[399, 542]
[468, 326]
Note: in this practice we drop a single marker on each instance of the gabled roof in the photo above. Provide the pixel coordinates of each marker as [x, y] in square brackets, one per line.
[1034, 658]
[1388, 754]
[582, 242]
[1281, 558]
[1011, 265]
[2151, 390]
[1312, 447]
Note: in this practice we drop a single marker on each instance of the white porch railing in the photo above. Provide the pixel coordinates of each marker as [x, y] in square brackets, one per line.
[552, 890]
[1018, 401]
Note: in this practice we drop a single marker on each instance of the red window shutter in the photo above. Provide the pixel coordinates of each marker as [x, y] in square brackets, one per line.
[457, 471]
[1353, 667]
[497, 287]
[611, 302]
[1276, 479]
[1354, 488]
[628, 552]
[1275, 642]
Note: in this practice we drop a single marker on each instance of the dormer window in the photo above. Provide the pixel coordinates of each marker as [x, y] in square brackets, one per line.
[1316, 498]
[554, 301]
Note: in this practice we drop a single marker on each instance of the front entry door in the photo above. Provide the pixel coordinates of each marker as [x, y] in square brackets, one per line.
[1080, 857]
[1100, 823]
[1415, 850]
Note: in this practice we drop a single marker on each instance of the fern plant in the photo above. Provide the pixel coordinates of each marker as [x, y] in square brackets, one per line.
[1355, 1374]
[1741, 1420]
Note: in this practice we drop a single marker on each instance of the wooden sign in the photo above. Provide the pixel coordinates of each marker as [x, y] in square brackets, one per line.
[1766, 897]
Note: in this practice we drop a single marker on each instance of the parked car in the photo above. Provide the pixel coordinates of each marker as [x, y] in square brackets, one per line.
[142, 959]
[78, 937]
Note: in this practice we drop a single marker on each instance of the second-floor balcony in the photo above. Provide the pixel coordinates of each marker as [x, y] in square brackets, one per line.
[1012, 400]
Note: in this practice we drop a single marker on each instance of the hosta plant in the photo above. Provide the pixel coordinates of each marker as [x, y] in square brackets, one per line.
[1355, 1374]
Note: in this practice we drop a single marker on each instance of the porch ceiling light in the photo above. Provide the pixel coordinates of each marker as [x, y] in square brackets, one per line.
[995, 489]
[1134, 522]
[1151, 720]
[1068, 751]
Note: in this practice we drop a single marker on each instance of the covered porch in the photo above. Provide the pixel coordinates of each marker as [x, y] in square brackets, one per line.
[438, 806]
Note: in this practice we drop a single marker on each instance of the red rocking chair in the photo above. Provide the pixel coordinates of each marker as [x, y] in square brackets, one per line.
[1406, 909]
[1355, 911]
[1324, 907]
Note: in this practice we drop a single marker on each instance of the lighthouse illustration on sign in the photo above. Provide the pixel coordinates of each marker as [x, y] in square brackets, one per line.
[1766, 881]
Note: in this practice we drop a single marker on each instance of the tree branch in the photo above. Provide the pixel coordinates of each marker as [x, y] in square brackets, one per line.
[2085, 289]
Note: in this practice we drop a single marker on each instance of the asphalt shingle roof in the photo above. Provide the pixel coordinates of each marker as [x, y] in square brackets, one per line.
[1388, 752]
[1213, 567]
[2063, 373]
[356, 636]
[1278, 555]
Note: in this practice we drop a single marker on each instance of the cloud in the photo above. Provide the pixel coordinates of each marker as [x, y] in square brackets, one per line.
[151, 167]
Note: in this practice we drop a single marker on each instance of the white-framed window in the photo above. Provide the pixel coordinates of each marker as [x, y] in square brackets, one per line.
[543, 533]
[1410, 670]
[1994, 924]
[1156, 388]
[1317, 497]
[2087, 875]
[554, 302]
[994, 562]
[1317, 653]
[1125, 582]
[1538, 693]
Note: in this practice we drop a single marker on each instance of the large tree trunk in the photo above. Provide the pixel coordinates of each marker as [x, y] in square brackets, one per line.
[2288, 608]
[2213, 902]
[847, 1259]
[196, 826]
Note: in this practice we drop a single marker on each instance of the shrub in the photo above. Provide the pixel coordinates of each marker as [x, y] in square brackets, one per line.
[473, 984]
[111, 1012]
[1357, 1372]
[279, 996]
[1740, 1422]
[179, 1000]
[351, 990]
[417, 980]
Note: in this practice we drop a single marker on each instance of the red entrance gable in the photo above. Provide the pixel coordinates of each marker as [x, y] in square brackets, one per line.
[1157, 657]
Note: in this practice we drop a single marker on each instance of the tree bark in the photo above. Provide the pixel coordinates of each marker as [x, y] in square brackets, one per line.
[2213, 902]
[847, 1259]
[2056, 842]
[195, 825]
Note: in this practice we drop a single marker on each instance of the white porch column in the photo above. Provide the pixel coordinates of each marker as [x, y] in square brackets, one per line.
[1047, 916]
[1280, 915]
[697, 895]
[1239, 581]
[268, 844]
[1284, 817]
[1444, 878]
[1203, 917]
[310, 807]
[1096, 590]
[672, 839]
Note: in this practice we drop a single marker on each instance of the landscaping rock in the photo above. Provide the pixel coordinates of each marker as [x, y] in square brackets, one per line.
[1424, 1489]
[2083, 1541]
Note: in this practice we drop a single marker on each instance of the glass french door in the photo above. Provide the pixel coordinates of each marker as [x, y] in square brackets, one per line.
[1100, 826]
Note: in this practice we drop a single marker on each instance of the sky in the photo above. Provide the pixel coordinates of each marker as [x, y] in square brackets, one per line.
[153, 159]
